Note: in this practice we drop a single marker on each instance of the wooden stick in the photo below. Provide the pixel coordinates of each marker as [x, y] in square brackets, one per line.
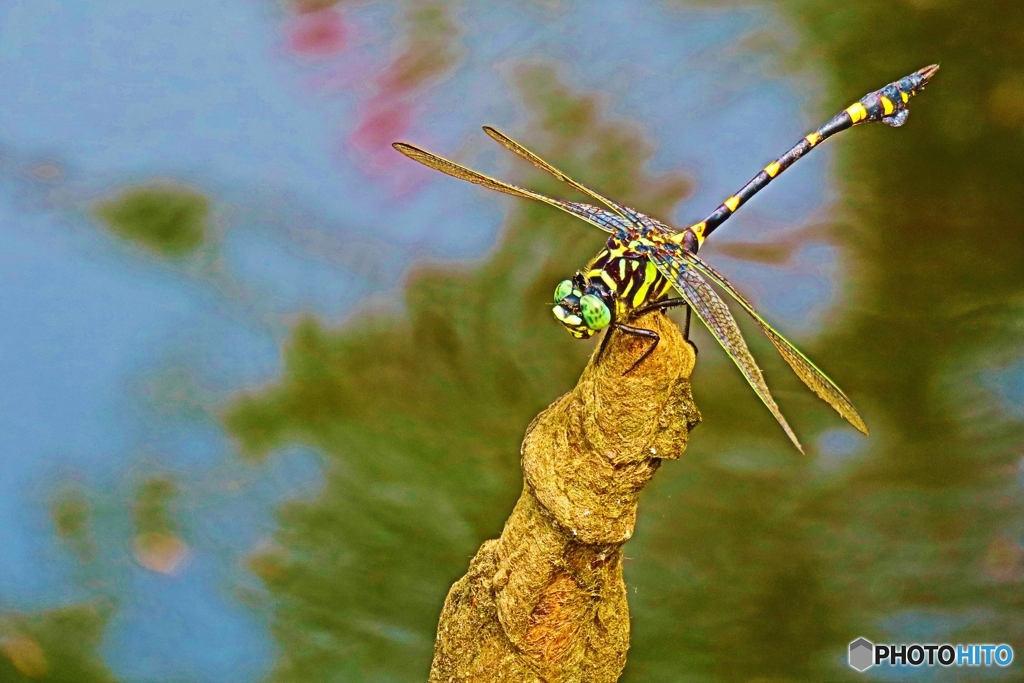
[546, 601]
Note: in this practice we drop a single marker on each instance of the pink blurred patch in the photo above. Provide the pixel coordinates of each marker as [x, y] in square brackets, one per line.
[383, 122]
[317, 35]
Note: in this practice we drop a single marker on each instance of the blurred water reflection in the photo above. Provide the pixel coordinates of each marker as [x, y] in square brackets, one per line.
[181, 500]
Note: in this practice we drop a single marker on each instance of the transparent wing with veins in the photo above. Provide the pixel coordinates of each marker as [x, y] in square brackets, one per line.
[513, 146]
[816, 380]
[596, 216]
[717, 317]
[628, 218]
[808, 373]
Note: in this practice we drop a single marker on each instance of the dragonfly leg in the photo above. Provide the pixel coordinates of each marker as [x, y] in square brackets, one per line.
[640, 332]
[604, 344]
[606, 338]
[660, 305]
[686, 330]
[671, 303]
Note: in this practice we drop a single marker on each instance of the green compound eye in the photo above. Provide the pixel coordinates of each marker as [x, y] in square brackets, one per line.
[595, 312]
[563, 290]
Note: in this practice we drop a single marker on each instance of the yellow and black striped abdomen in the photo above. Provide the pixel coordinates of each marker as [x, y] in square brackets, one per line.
[631, 277]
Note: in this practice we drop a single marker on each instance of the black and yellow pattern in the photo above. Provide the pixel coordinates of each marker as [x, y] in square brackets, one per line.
[888, 105]
[632, 277]
[644, 259]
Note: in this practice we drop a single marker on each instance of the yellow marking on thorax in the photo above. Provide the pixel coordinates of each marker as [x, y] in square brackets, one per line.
[857, 112]
[620, 308]
[732, 202]
[626, 287]
[622, 269]
[650, 275]
[772, 169]
[813, 138]
[666, 287]
[608, 280]
[904, 96]
[887, 106]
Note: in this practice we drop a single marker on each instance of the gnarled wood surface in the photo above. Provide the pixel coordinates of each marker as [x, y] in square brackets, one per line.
[546, 601]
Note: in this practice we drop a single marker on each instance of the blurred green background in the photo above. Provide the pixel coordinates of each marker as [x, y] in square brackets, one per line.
[264, 379]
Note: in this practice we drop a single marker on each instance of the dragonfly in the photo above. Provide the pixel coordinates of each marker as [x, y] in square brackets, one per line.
[645, 260]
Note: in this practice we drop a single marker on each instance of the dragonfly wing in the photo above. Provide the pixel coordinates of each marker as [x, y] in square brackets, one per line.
[808, 373]
[591, 214]
[513, 146]
[715, 314]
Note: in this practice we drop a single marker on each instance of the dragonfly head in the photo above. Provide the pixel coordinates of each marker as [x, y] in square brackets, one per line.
[583, 314]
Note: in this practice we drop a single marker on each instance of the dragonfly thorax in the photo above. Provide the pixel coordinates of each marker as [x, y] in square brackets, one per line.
[628, 275]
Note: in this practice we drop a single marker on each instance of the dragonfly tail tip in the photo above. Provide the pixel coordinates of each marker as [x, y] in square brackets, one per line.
[927, 72]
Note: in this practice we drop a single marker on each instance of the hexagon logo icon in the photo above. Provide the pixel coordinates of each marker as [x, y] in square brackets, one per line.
[862, 653]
